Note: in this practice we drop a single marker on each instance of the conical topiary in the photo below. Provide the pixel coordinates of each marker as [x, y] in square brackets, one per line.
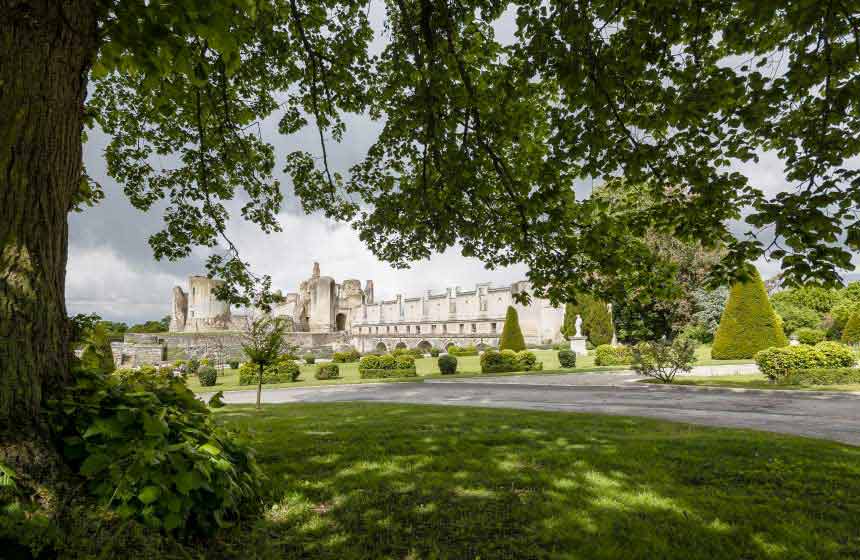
[748, 324]
[851, 332]
[512, 335]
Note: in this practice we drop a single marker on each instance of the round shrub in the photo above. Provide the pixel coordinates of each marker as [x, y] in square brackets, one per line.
[835, 355]
[776, 363]
[434, 352]
[387, 361]
[234, 364]
[309, 358]
[567, 358]
[526, 360]
[404, 361]
[327, 371]
[509, 361]
[346, 356]
[447, 365]
[193, 366]
[113, 428]
[748, 324]
[207, 376]
[283, 371]
[371, 361]
[608, 355]
[809, 336]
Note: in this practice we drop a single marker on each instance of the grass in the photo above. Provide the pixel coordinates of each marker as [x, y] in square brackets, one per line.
[467, 366]
[755, 381]
[361, 480]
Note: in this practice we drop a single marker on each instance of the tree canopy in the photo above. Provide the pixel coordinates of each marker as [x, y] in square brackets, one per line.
[484, 139]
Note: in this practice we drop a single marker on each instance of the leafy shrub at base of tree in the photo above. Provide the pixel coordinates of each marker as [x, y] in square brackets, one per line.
[512, 335]
[507, 361]
[327, 371]
[387, 365]
[776, 363]
[810, 336]
[608, 355]
[207, 376]
[285, 370]
[463, 351]
[567, 358]
[664, 360]
[447, 365]
[346, 356]
[748, 324]
[151, 451]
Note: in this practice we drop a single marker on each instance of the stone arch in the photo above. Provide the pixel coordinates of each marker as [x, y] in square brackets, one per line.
[424, 346]
[400, 344]
[340, 322]
[381, 347]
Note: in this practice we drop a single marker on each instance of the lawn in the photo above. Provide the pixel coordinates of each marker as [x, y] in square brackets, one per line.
[360, 480]
[755, 381]
[427, 368]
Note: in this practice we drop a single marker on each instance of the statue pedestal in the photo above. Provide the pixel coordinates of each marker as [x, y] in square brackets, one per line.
[577, 344]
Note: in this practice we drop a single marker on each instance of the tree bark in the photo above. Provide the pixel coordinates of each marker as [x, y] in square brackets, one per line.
[46, 50]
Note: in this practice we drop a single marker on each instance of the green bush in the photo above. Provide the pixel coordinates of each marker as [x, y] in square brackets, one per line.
[809, 336]
[327, 371]
[151, 451]
[447, 365]
[234, 364]
[512, 336]
[839, 317]
[509, 361]
[217, 400]
[346, 357]
[414, 352]
[815, 298]
[664, 360]
[434, 352]
[608, 355]
[374, 367]
[748, 324]
[821, 376]
[207, 376]
[283, 371]
[193, 366]
[851, 332]
[567, 358]
[775, 363]
[462, 351]
[309, 358]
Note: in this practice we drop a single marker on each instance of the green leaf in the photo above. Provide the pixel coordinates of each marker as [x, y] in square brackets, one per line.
[149, 494]
[210, 449]
[95, 463]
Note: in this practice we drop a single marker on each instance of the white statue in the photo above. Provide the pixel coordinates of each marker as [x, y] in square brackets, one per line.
[578, 324]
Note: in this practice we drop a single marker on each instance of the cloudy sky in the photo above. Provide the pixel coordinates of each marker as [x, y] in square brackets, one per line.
[111, 270]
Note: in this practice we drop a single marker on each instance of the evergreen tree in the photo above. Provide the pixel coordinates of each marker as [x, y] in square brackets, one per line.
[596, 320]
[748, 324]
[851, 333]
[512, 335]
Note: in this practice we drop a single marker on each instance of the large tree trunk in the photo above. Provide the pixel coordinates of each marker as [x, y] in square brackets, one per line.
[46, 49]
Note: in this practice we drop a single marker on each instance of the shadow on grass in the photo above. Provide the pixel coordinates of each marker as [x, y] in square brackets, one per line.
[360, 480]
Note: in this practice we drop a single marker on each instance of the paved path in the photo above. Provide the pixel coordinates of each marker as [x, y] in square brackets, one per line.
[834, 416]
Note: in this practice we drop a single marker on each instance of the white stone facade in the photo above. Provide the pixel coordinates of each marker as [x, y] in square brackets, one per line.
[322, 305]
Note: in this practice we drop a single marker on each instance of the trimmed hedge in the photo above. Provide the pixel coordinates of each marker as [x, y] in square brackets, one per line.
[567, 358]
[776, 363]
[469, 350]
[327, 371]
[512, 335]
[608, 355]
[284, 370]
[748, 324]
[346, 357]
[387, 365]
[447, 365]
[821, 376]
[414, 352]
[509, 361]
